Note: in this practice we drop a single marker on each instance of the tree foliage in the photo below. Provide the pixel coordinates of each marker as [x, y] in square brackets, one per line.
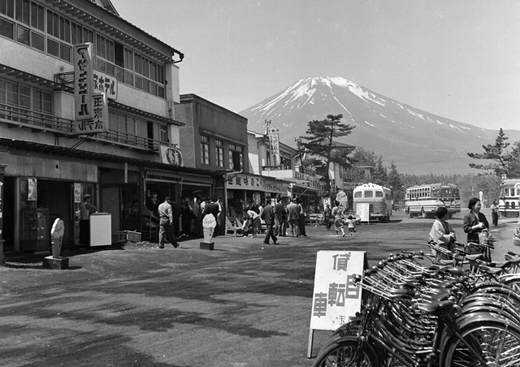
[496, 155]
[321, 143]
[514, 163]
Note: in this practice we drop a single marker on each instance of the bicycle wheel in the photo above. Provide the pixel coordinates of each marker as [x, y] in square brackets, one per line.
[493, 343]
[347, 352]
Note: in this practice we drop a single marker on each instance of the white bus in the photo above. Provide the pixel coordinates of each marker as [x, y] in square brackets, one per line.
[423, 200]
[379, 199]
[509, 198]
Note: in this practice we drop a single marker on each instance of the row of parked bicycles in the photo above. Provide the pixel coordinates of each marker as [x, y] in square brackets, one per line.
[450, 308]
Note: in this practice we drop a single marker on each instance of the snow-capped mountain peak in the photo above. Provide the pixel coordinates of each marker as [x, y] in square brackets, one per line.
[417, 141]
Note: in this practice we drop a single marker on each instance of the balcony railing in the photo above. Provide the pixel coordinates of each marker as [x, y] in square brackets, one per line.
[20, 117]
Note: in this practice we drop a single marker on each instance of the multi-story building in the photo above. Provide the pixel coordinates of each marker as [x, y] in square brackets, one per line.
[280, 161]
[87, 106]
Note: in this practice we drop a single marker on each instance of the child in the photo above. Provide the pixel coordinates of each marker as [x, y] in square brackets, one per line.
[337, 212]
[351, 225]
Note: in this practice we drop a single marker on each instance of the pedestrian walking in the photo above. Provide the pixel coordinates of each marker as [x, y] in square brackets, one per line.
[269, 216]
[494, 213]
[166, 233]
[279, 210]
[293, 214]
[351, 225]
[301, 219]
[337, 212]
[327, 216]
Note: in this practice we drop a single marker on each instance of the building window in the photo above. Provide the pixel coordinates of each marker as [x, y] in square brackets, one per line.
[235, 157]
[7, 8]
[6, 29]
[25, 97]
[37, 26]
[163, 133]
[219, 152]
[204, 149]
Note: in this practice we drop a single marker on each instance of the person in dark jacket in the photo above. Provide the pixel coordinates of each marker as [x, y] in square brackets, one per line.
[269, 216]
[474, 222]
[176, 213]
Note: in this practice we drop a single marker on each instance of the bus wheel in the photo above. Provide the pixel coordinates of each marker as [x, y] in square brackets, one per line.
[410, 213]
[423, 213]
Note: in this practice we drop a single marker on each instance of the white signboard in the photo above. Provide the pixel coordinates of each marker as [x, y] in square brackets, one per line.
[336, 297]
[363, 211]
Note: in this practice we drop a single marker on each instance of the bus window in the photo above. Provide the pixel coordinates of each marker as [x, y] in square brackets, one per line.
[506, 192]
[513, 205]
[357, 195]
[369, 194]
[379, 194]
[512, 192]
[507, 204]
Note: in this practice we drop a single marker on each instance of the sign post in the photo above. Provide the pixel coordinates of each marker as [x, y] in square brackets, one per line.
[335, 298]
[363, 211]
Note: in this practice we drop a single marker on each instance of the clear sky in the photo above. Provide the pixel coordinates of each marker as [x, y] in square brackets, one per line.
[459, 59]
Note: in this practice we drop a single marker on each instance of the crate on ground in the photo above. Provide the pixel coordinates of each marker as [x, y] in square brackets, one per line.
[131, 236]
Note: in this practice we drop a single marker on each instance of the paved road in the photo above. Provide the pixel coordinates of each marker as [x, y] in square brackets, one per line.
[243, 304]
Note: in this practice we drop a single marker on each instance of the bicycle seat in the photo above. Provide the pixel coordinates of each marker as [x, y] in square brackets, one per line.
[435, 306]
[489, 270]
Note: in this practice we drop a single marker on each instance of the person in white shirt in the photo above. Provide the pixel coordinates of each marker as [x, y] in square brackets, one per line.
[442, 233]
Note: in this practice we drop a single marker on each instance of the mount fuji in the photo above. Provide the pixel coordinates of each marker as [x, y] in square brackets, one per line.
[418, 142]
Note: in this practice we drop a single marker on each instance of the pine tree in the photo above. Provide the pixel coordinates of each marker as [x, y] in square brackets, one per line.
[320, 142]
[495, 153]
[394, 182]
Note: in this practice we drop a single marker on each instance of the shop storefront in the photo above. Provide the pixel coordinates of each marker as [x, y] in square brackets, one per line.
[243, 188]
[45, 182]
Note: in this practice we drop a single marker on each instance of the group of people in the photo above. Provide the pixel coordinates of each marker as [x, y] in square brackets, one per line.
[475, 224]
[340, 217]
[282, 219]
[175, 219]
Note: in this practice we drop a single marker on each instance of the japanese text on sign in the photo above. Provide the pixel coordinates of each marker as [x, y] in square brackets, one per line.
[83, 74]
[105, 84]
[336, 296]
[99, 122]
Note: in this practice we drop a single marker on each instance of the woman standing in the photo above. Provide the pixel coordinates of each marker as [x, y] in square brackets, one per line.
[442, 233]
[475, 223]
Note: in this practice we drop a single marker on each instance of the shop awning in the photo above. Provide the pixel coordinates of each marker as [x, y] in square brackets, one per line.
[104, 157]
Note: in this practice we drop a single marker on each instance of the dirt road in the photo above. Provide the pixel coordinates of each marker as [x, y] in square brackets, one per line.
[244, 304]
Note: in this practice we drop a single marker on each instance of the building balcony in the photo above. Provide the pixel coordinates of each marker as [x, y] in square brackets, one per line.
[17, 117]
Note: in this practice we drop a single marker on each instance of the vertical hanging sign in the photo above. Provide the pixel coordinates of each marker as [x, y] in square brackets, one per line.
[83, 81]
[274, 140]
